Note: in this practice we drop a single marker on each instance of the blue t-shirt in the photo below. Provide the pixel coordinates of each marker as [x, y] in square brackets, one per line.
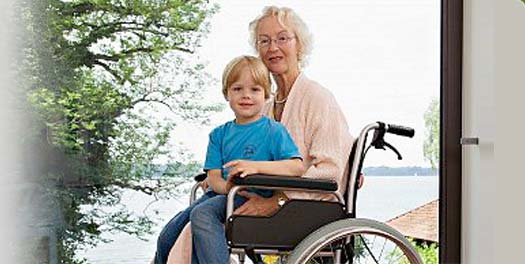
[261, 140]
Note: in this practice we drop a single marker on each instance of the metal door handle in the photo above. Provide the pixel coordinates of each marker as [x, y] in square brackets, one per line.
[469, 141]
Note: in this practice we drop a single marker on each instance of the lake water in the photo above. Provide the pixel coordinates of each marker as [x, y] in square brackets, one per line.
[381, 198]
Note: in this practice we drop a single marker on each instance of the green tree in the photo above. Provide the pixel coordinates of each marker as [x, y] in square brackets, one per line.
[99, 73]
[429, 253]
[431, 144]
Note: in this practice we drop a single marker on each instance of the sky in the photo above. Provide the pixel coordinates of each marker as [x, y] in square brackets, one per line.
[380, 59]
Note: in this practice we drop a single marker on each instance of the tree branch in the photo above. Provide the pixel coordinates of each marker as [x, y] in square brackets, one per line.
[108, 69]
[127, 53]
[77, 9]
[142, 29]
[144, 99]
[144, 189]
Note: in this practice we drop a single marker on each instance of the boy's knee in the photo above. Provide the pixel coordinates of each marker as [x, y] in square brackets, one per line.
[198, 216]
[204, 217]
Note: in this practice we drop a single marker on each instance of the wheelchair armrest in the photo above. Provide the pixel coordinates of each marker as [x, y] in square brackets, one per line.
[263, 180]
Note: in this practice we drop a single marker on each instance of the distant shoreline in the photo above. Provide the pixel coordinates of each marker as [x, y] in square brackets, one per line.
[399, 171]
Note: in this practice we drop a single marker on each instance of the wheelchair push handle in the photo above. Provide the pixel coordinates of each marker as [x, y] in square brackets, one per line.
[400, 130]
[381, 128]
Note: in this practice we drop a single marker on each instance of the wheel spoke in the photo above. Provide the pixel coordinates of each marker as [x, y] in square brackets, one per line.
[382, 249]
[368, 248]
[401, 255]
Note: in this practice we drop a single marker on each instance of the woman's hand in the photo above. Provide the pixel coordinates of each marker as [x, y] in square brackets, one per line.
[257, 205]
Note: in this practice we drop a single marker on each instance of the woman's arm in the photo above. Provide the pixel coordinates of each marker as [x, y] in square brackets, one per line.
[258, 205]
[327, 140]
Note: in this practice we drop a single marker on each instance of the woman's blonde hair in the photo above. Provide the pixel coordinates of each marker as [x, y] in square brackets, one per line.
[287, 18]
[260, 73]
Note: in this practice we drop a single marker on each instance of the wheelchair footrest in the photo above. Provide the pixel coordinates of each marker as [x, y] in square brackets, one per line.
[286, 228]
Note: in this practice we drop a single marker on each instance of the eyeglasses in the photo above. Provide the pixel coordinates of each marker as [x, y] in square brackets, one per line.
[281, 40]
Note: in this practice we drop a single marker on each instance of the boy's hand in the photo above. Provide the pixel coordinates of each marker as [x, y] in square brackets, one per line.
[241, 168]
[228, 185]
[204, 184]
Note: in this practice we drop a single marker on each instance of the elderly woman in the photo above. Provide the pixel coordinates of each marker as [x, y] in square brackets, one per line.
[308, 110]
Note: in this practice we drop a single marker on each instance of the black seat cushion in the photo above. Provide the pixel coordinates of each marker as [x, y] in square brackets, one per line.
[286, 228]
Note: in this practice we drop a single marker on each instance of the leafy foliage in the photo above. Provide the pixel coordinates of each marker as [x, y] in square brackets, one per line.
[431, 144]
[427, 252]
[110, 79]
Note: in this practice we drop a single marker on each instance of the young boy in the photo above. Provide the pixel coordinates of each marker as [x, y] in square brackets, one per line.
[249, 144]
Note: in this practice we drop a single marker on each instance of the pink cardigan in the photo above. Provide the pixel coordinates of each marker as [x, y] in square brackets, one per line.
[319, 129]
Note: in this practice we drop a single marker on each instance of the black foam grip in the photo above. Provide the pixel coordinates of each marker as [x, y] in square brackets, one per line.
[401, 130]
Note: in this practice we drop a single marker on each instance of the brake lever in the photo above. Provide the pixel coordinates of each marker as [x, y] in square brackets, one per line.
[378, 141]
[393, 149]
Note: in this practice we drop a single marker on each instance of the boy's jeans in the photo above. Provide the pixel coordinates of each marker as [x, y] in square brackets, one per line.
[207, 227]
[207, 215]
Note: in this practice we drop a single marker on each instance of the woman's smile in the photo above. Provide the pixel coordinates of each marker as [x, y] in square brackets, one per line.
[275, 59]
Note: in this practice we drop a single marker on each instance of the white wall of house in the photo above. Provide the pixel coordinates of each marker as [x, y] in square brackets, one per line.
[509, 228]
[478, 104]
[494, 111]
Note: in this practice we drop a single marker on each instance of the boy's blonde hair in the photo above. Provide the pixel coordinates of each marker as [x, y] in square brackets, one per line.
[260, 73]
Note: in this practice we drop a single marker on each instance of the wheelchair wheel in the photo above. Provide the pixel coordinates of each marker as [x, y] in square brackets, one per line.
[355, 241]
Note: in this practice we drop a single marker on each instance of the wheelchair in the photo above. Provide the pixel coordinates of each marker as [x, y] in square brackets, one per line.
[308, 231]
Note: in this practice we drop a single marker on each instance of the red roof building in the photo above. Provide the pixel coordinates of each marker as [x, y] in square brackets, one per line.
[420, 223]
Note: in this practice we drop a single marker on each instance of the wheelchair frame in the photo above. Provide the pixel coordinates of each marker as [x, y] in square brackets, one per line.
[347, 224]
